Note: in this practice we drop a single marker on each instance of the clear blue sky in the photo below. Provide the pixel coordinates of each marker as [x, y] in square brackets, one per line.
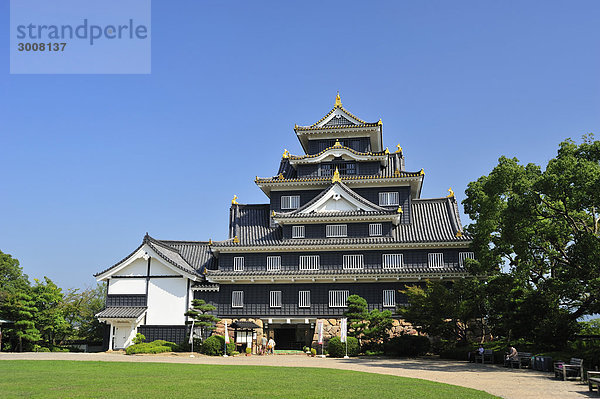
[89, 163]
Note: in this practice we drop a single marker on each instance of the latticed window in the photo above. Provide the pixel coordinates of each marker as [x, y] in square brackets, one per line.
[347, 168]
[336, 230]
[464, 255]
[275, 299]
[309, 262]
[337, 298]
[327, 169]
[435, 259]
[375, 229]
[393, 261]
[353, 261]
[290, 201]
[304, 299]
[274, 263]
[238, 263]
[297, 231]
[237, 299]
[389, 199]
[389, 298]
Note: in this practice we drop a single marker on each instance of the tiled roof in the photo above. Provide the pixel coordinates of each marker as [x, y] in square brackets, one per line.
[122, 312]
[189, 256]
[433, 220]
[252, 224]
[291, 273]
[374, 154]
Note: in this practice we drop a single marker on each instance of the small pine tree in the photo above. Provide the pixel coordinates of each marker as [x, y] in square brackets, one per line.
[21, 308]
[357, 315]
[200, 312]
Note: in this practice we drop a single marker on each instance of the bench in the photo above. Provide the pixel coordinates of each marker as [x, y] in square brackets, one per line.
[571, 370]
[523, 360]
[488, 355]
[594, 379]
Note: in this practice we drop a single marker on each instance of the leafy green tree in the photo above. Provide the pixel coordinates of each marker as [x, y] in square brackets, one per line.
[536, 233]
[20, 308]
[80, 308]
[379, 325]
[49, 318]
[357, 315]
[201, 313]
[446, 310]
[12, 278]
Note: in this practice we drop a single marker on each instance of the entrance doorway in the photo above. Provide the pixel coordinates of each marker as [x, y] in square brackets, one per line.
[290, 336]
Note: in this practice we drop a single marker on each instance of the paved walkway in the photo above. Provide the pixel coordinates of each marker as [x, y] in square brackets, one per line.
[506, 383]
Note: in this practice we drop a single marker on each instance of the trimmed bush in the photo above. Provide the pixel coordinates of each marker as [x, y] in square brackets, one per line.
[337, 348]
[407, 345]
[158, 346]
[213, 346]
[139, 338]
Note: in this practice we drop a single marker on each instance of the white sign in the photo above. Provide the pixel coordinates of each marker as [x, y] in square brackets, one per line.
[343, 329]
[320, 331]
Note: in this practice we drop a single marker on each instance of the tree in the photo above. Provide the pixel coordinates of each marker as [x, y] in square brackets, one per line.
[379, 325]
[12, 278]
[203, 318]
[357, 316]
[80, 308]
[20, 308]
[49, 318]
[445, 310]
[536, 233]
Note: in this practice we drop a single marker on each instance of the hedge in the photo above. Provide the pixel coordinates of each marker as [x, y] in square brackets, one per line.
[213, 346]
[407, 345]
[337, 348]
[158, 346]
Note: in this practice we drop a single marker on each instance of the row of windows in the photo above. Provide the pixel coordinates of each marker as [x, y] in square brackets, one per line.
[338, 230]
[337, 298]
[385, 199]
[354, 262]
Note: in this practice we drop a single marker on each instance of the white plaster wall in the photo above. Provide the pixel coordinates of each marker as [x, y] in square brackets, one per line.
[127, 286]
[166, 301]
[158, 269]
[138, 267]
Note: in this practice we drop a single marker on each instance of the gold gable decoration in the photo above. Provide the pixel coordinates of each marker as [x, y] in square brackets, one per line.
[336, 176]
[451, 195]
[400, 210]
[234, 200]
[459, 234]
[338, 101]
[236, 240]
[337, 143]
[286, 154]
[399, 148]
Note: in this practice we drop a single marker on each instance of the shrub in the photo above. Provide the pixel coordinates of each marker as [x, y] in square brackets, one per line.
[139, 338]
[235, 353]
[158, 346]
[248, 350]
[213, 346]
[313, 351]
[37, 348]
[337, 348]
[407, 345]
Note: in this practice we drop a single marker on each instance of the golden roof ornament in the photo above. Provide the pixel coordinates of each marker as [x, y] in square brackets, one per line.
[273, 213]
[422, 172]
[400, 210]
[338, 100]
[387, 151]
[459, 234]
[234, 200]
[280, 177]
[286, 154]
[396, 172]
[210, 241]
[336, 176]
[236, 240]
[399, 148]
[337, 143]
[379, 122]
[451, 195]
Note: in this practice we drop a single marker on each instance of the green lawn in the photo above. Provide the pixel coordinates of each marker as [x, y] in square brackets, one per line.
[67, 379]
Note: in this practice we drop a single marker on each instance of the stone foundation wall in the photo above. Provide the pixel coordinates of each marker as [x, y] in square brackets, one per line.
[331, 328]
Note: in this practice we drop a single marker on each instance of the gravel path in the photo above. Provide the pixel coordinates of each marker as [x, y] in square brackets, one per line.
[506, 383]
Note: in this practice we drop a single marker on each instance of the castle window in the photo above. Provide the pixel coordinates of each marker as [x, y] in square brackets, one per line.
[375, 229]
[393, 261]
[237, 299]
[309, 262]
[336, 230]
[464, 255]
[297, 231]
[273, 263]
[238, 264]
[353, 262]
[275, 299]
[290, 201]
[389, 199]
[326, 169]
[338, 298]
[436, 260]
[389, 298]
[304, 299]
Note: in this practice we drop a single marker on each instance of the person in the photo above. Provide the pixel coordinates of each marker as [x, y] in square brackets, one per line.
[263, 345]
[511, 355]
[480, 350]
[271, 346]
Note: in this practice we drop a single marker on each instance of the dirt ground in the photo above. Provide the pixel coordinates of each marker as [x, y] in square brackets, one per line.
[506, 383]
